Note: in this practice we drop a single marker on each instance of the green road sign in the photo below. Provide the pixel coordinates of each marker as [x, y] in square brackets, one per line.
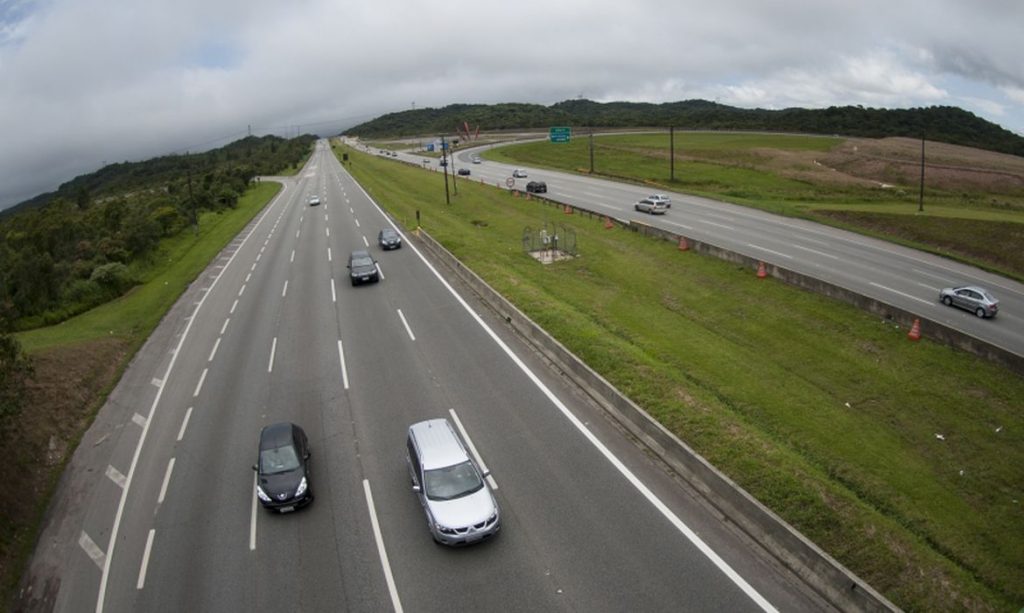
[560, 135]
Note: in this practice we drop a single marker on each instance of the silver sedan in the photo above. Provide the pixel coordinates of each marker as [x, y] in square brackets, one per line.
[971, 298]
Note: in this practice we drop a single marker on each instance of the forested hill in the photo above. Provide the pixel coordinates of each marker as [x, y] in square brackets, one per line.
[939, 123]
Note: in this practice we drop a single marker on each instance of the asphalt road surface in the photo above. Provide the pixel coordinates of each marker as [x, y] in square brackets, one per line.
[157, 512]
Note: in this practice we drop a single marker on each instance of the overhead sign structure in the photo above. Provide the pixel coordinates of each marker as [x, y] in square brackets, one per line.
[560, 135]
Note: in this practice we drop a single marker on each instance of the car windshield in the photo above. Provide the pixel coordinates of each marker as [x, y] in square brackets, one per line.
[362, 262]
[452, 482]
[278, 460]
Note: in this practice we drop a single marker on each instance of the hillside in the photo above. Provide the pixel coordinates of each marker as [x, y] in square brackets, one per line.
[938, 123]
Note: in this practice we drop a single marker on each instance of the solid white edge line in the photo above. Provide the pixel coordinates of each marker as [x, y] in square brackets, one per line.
[184, 423]
[472, 448]
[167, 479]
[344, 371]
[102, 592]
[385, 564]
[273, 349]
[896, 291]
[216, 344]
[380, 272]
[199, 385]
[406, 324]
[647, 493]
[145, 559]
[252, 519]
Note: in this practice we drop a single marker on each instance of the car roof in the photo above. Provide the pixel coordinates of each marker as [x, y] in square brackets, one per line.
[438, 445]
[276, 435]
[980, 290]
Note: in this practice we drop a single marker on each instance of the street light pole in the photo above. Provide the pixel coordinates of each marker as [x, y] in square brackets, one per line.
[920, 198]
[444, 167]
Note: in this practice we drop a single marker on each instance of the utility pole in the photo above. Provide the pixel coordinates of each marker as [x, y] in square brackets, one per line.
[591, 150]
[191, 198]
[920, 198]
[444, 167]
[672, 153]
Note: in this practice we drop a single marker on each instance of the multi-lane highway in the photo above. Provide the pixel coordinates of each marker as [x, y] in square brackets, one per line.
[905, 278]
[162, 513]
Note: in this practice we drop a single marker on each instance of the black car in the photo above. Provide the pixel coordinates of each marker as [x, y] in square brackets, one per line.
[537, 187]
[464, 171]
[282, 468]
[389, 239]
[362, 268]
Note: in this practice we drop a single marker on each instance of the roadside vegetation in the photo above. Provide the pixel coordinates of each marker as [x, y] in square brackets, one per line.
[973, 199]
[103, 259]
[900, 459]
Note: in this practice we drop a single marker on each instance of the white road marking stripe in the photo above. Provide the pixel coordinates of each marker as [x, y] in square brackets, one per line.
[258, 256]
[679, 225]
[472, 448]
[139, 420]
[712, 223]
[233, 307]
[184, 423]
[406, 324]
[145, 559]
[213, 352]
[945, 280]
[225, 326]
[344, 371]
[329, 255]
[379, 271]
[328, 230]
[199, 386]
[357, 223]
[156, 382]
[273, 350]
[284, 291]
[116, 476]
[167, 479]
[247, 277]
[92, 550]
[334, 293]
[771, 251]
[292, 258]
[297, 231]
[252, 519]
[253, 267]
[366, 242]
[388, 577]
[816, 252]
[241, 291]
[895, 291]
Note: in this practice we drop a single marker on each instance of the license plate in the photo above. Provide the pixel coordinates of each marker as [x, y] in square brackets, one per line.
[286, 509]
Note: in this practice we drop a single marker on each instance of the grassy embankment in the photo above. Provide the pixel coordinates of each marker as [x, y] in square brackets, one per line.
[823, 412]
[870, 186]
[79, 361]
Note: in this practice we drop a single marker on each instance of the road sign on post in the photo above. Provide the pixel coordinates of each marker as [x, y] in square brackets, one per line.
[560, 135]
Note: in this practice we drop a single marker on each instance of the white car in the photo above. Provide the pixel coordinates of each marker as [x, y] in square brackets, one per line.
[314, 200]
[651, 207]
[662, 198]
[518, 173]
[476, 160]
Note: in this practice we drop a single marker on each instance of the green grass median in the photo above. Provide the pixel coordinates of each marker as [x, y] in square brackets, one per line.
[900, 459]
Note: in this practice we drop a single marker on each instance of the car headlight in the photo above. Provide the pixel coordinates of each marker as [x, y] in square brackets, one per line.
[302, 488]
[261, 494]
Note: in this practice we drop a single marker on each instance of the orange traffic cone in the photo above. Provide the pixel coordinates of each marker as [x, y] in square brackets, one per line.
[683, 245]
[915, 331]
[608, 225]
[568, 211]
[761, 272]
[515, 193]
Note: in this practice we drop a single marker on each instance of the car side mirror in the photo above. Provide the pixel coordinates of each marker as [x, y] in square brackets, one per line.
[416, 489]
[254, 467]
[486, 474]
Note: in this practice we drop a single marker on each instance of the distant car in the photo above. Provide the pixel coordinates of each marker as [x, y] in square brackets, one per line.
[537, 187]
[464, 172]
[314, 200]
[519, 173]
[426, 161]
[389, 239]
[661, 198]
[971, 298]
[282, 468]
[476, 159]
[649, 206]
[443, 162]
[362, 268]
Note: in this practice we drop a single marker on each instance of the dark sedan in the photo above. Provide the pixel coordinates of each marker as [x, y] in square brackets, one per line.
[537, 187]
[389, 239]
[464, 172]
[362, 268]
[282, 468]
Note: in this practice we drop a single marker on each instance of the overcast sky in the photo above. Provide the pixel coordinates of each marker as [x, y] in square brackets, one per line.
[83, 82]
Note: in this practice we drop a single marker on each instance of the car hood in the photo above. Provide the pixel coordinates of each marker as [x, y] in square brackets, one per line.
[359, 271]
[281, 486]
[466, 511]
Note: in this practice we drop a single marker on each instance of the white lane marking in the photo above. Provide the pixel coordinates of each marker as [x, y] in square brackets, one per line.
[297, 232]
[213, 352]
[329, 255]
[262, 249]
[252, 519]
[334, 292]
[247, 277]
[344, 371]
[816, 252]
[328, 230]
[156, 382]
[241, 291]
[184, 423]
[225, 326]
[472, 448]
[327, 218]
[284, 291]
[139, 420]
[350, 209]
[366, 242]
[679, 225]
[385, 564]
[116, 476]
[253, 267]
[145, 559]
[167, 479]
[233, 307]
[92, 550]
[380, 272]
[945, 280]
[199, 386]
[357, 223]
[292, 258]
[273, 350]
[712, 223]
[623, 470]
[406, 324]
[258, 256]
[926, 286]
[771, 251]
[896, 291]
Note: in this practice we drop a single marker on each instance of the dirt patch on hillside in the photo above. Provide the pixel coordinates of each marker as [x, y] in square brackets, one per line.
[66, 390]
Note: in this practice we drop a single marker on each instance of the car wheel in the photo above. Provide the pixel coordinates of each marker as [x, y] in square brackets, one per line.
[980, 312]
[637, 207]
[946, 300]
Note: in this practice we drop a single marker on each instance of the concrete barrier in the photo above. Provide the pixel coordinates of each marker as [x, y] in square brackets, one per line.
[834, 582]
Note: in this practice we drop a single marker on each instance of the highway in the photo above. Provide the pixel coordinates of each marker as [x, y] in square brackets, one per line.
[900, 276]
[164, 516]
